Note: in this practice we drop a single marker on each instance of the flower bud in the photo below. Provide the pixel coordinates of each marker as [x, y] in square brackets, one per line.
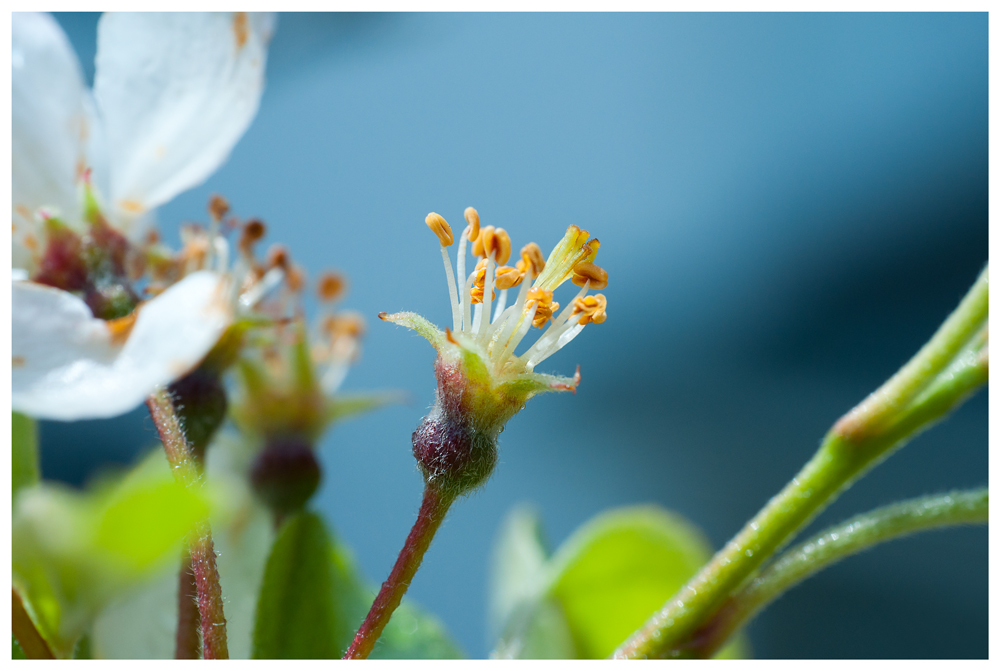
[199, 398]
[285, 475]
[455, 445]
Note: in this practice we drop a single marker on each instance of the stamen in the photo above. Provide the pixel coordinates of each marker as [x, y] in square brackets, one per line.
[501, 304]
[262, 287]
[531, 256]
[507, 277]
[295, 278]
[467, 304]
[472, 217]
[330, 286]
[456, 309]
[461, 262]
[488, 293]
[591, 309]
[516, 339]
[584, 272]
[441, 228]
[492, 240]
[253, 231]
[218, 208]
[542, 298]
[277, 256]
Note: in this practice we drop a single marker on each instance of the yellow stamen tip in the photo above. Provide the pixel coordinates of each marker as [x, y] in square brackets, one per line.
[472, 217]
[441, 228]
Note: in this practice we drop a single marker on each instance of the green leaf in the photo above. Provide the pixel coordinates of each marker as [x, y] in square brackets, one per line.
[412, 634]
[24, 444]
[305, 605]
[537, 629]
[518, 562]
[604, 581]
[312, 600]
[74, 552]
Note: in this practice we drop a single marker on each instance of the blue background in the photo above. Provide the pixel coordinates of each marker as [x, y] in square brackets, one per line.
[788, 206]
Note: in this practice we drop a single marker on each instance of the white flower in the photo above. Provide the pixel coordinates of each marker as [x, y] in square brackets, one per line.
[172, 95]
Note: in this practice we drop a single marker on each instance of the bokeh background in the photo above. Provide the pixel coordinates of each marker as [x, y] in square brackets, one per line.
[788, 206]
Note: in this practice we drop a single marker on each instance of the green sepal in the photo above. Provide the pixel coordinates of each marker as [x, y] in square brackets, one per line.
[346, 405]
[412, 320]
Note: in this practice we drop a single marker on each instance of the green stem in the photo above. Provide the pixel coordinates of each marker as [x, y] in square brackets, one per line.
[910, 402]
[432, 511]
[830, 546]
[187, 471]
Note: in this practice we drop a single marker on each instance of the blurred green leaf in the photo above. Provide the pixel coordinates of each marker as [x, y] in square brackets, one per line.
[312, 600]
[303, 610]
[604, 582]
[517, 565]
[412, 634]
[24, 445]
[73, 552]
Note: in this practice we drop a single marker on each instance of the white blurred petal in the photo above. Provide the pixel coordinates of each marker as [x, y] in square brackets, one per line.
[66, 366]
[176, 91]
[52, 124]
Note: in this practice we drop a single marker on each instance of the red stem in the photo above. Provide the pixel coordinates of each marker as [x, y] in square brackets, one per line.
[432, 511]
[187, 642]
[187, 471]
[206, 575]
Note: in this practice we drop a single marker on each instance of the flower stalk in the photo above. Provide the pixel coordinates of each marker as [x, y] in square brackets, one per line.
[32, 643]
[432, 511]
[187, 471]
[949, 368]
[830, 546]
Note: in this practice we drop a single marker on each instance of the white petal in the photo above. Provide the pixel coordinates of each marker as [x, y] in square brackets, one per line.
[66, 365]
[176, 91]
[51, 125]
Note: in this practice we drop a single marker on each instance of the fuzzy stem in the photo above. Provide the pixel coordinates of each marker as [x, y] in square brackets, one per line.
[432, 511]
[187, 643]
[187, 471]
[32, 643]
[830, 546]
[863, 438]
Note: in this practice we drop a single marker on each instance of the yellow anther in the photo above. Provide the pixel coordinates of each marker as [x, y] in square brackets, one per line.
[584, 272]
[441, 228]
[546, 306]
[472, 217]
[218, 207]
[531, 257]
[492, 241]
[593, 309]
[479, 284]
[330, 286]
[507, 277]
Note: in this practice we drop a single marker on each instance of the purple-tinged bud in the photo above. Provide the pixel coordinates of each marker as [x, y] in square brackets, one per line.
[285, 475]
[200, 402]
[455, 445]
